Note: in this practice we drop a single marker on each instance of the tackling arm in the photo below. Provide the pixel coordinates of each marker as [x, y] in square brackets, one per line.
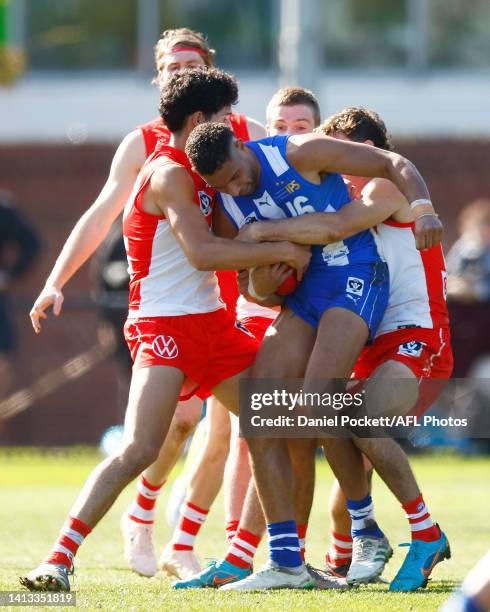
[322, 154]
[173, 192]
[380, 201]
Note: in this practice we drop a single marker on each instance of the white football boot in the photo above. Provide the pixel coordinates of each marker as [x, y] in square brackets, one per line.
[271, 576]
[369, 557]
[139, 549]
[182, 564]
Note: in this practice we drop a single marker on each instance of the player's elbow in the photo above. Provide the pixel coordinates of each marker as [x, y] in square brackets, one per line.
[201, 260]
[397, 164]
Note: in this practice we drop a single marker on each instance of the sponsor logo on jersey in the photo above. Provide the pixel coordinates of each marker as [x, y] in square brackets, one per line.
[336, 254]
[355, 285]
[268, 208]
[166, 347]
[413, 348]
[292, 186]
[205, 203]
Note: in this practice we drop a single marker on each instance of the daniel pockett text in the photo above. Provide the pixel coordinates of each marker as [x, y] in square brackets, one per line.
[346, 408]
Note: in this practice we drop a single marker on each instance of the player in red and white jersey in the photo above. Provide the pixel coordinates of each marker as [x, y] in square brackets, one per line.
[205, 348]
[176, 50]
[204, 482]
[412, 343]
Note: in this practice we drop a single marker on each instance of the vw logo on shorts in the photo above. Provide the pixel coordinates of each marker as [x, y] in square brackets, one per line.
[166, 347]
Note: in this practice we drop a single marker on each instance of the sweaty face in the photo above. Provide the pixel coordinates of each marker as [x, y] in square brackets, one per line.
[235, 176]
[290, 120]
[169, 63]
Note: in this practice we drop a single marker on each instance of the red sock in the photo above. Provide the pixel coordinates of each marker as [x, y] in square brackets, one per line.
[191, 521]
[142, 510]
[72, 534]
[242, 549]
[421, 523]
[231, 529]
[302, 529]
[340, 551]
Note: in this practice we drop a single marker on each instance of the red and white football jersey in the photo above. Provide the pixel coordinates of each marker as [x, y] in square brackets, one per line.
[155, 132]
[417, 280]
[162, 280]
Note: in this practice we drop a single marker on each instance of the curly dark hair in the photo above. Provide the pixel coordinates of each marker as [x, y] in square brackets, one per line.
[359, 124]
[209, 147]
[196, 89]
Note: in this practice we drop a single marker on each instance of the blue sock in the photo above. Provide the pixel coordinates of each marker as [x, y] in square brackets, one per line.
[362, 516]
[284, 544]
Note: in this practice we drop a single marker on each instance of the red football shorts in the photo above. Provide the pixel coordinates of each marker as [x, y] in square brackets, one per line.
[208, 347]
[427, 352]
[257, 325]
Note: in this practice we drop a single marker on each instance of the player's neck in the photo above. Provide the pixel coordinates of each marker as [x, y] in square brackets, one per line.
[178, 139]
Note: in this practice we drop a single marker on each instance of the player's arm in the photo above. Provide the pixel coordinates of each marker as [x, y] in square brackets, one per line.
[381, 199]
[323, 154]
[93, 226]
[263, 280]
[173, 192]
[256, 130]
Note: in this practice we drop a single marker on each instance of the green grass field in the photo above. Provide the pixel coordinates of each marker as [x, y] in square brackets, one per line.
[37, 489]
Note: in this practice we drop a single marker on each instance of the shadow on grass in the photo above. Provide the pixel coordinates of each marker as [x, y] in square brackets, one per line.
[438, 586]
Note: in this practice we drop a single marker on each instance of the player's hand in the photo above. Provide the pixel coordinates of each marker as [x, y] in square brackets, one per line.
[49, 296]
[266, 279]
[428, 231]
[247, 233]
[298, 259]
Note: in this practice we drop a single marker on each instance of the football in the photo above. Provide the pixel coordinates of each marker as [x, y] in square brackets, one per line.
[289, 285]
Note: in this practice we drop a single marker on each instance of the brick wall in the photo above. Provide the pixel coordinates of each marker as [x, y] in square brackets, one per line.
[54, 185]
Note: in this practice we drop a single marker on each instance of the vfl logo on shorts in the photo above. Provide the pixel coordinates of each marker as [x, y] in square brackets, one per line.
[411, 349]
[165, 347]
[355, 285]
[205, 202]
[239, 325]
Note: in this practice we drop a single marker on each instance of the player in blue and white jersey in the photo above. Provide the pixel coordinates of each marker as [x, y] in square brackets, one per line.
[332, 314]
[347, 274]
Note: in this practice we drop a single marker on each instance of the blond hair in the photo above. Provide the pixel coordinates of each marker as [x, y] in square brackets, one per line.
[291, 96]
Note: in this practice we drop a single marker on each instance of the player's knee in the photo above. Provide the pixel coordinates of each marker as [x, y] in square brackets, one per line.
[183, 425]
[218, 452]
[137, 457]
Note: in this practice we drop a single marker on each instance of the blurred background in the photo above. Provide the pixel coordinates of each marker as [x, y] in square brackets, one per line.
[75, 78]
